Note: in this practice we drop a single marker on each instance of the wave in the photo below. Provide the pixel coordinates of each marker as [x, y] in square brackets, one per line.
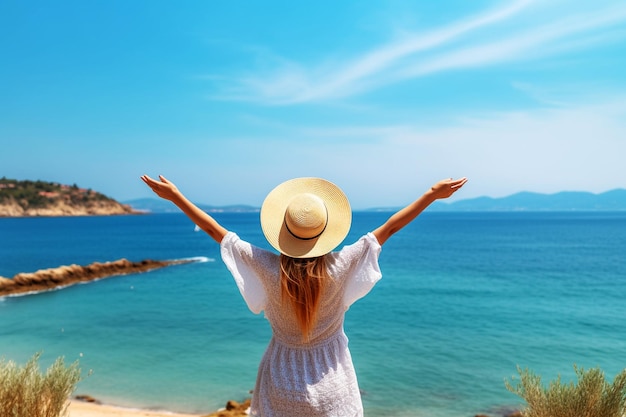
[40, 291]
[199, 259]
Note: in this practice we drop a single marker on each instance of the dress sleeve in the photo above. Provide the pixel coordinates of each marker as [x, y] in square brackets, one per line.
[242, 260]
[363, 270]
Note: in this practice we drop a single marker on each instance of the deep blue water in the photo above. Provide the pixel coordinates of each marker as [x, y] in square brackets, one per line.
[465, 298]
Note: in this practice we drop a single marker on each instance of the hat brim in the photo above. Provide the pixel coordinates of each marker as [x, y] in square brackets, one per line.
[273, 216]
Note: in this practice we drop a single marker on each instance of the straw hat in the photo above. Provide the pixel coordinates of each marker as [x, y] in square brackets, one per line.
[305, 217]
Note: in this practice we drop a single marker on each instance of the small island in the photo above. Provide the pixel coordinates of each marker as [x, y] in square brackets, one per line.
[41, 198]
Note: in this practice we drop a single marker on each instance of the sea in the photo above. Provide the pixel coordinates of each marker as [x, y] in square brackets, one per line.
[467, 299]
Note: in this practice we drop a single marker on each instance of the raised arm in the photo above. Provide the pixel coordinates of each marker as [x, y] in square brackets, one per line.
[168, 191]
[442, 189]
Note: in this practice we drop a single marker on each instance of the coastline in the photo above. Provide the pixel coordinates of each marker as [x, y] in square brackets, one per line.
[90, 407]
[78, 408]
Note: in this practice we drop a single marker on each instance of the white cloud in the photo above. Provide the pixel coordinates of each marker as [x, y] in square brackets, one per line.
[518, 31]
[551, 38]
[546, 150]
[570, 147]
[346, 79]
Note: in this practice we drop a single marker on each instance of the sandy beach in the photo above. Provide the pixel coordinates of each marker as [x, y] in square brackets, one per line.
[86, 409]
[80, 408]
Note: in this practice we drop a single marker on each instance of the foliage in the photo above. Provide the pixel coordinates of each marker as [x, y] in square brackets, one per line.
[592, 396]
[26, 392]
[41, 194]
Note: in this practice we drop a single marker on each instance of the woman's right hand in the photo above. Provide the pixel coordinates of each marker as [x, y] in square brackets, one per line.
[168, 191]
[162, 188]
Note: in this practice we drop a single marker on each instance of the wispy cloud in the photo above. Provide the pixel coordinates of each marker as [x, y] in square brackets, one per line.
[571, 147]
[537, 41]
[522, 30]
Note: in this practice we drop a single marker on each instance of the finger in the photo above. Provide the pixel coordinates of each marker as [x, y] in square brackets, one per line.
[150, 181]
[153, 184]
[459, 183]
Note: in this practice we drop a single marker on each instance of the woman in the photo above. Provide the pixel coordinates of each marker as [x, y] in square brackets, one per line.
[305, 291]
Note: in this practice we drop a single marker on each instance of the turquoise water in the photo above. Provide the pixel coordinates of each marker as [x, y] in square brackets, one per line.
[465, 298]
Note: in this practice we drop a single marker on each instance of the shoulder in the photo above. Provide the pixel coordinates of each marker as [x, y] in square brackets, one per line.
[366, 242]
[232, 243]
[233, 246]
[351, 254]
[230, 239]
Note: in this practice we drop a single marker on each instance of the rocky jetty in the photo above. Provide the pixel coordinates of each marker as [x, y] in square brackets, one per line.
[63, 276]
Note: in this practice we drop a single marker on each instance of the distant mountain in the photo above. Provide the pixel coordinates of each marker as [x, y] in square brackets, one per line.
[157, 205]
[614, 200]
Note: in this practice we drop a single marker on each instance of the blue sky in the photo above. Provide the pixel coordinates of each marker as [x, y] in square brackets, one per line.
[227, 99]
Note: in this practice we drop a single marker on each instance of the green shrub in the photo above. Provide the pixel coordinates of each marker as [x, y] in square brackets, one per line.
[591, 396]
[26, 392]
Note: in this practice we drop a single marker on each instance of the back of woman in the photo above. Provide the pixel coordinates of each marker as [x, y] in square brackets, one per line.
[307, 369]
[312, 373]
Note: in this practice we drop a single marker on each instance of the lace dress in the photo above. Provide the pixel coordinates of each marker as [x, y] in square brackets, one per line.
[316, 378]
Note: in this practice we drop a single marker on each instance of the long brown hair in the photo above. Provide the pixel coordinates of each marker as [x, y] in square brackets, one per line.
[302, 283]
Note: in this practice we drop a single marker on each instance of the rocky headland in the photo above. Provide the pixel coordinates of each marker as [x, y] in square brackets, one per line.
[63, 276]
[41, 198]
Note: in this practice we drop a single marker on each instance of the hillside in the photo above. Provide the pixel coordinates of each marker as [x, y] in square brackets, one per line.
[614, 200]
[41, 198]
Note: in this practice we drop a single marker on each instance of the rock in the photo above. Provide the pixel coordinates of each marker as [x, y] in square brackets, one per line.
[6, 283]
[87, 399]
[63, 208]
[233, 409]
[232, 405]
[47, 279]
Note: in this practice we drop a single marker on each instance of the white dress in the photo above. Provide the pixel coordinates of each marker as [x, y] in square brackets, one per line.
[297, 378]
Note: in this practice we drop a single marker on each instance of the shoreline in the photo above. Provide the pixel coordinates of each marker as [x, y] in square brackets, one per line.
[82, 408]
[79, 408]
[90, 407]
